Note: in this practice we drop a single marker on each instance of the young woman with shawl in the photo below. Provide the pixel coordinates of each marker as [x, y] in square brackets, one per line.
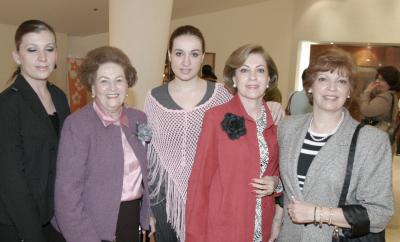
[175, 114]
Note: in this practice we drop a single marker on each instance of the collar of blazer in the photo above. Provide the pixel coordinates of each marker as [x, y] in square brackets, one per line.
[31, 98]
[334, 152]
[129, 130]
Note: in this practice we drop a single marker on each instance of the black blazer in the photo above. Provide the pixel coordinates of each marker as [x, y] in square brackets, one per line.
[28, 152]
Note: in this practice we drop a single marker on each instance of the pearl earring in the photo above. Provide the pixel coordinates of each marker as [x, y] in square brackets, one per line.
[234, 85]
[309, 91]
[348, 97]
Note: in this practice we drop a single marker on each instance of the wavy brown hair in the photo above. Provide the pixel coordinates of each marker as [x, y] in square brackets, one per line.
[106, 54]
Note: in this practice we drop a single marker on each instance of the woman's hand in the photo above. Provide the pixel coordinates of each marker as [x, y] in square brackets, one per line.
[371, 86]
[301, 212]
[275, 229]
[152, 226]
[264, 186]
[277, 111]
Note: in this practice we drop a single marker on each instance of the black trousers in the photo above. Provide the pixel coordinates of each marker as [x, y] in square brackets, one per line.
[127, 224]
[164, 230]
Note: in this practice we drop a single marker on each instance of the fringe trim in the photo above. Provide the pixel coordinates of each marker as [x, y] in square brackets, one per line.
[155, 173]
[175, 204]
[175, 210]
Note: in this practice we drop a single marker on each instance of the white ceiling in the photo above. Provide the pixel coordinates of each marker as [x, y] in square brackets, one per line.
[78, 17]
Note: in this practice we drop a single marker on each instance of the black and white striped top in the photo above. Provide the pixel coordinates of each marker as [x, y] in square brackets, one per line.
[311, 146]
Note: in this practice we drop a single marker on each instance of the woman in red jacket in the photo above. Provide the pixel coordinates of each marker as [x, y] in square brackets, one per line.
[234, 181]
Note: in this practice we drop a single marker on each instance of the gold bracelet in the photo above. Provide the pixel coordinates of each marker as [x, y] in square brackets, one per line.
[330, 215]
[321, 214]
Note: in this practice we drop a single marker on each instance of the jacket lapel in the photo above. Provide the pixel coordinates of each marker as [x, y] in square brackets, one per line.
[59, 103]
[296, 143]
[331, 154]
[33, 101]
[136, 144]
[251, 131]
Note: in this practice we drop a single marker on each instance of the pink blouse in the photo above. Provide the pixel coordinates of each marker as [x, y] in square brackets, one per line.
[132, 182]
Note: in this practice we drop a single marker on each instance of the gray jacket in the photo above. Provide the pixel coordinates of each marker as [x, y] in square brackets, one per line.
[371, 181]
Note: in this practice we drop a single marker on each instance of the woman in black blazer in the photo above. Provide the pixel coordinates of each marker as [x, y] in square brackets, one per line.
[32, 111]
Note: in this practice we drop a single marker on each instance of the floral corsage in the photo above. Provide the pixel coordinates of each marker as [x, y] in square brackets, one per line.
[233, 125]
[143, 133]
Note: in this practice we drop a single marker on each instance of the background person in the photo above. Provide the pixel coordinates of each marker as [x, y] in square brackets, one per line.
[32, 112]
[101, 193]
[298, 101]
[378, 102]
[233, 184]
[207, 73]
[313, 159]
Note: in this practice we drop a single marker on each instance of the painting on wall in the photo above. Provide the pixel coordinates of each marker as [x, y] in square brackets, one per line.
[77, 93]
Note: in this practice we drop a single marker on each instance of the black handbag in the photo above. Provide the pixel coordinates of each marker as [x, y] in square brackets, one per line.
[347, 233]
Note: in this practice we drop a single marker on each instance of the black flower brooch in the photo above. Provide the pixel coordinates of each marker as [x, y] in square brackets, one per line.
[233, 125]
[143, 133]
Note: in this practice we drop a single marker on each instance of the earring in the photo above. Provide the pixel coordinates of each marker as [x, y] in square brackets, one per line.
[93, 96]
[348, 97]
[309, 91]
[234, 85]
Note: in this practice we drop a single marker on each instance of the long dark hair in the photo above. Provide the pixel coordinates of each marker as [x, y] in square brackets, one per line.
[29, 26]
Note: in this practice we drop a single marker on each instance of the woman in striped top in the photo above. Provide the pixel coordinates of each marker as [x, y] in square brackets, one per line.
[314, 151]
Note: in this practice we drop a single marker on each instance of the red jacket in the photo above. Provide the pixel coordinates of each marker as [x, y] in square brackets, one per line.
[220, 202]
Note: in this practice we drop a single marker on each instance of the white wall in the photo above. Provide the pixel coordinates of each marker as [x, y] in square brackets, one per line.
[7, 46]
[268, 23]
[348, 21]
[7, 63]
[79, 46]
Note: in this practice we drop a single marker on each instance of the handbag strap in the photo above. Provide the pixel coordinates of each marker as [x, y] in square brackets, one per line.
[392, 117]
[350, 161]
